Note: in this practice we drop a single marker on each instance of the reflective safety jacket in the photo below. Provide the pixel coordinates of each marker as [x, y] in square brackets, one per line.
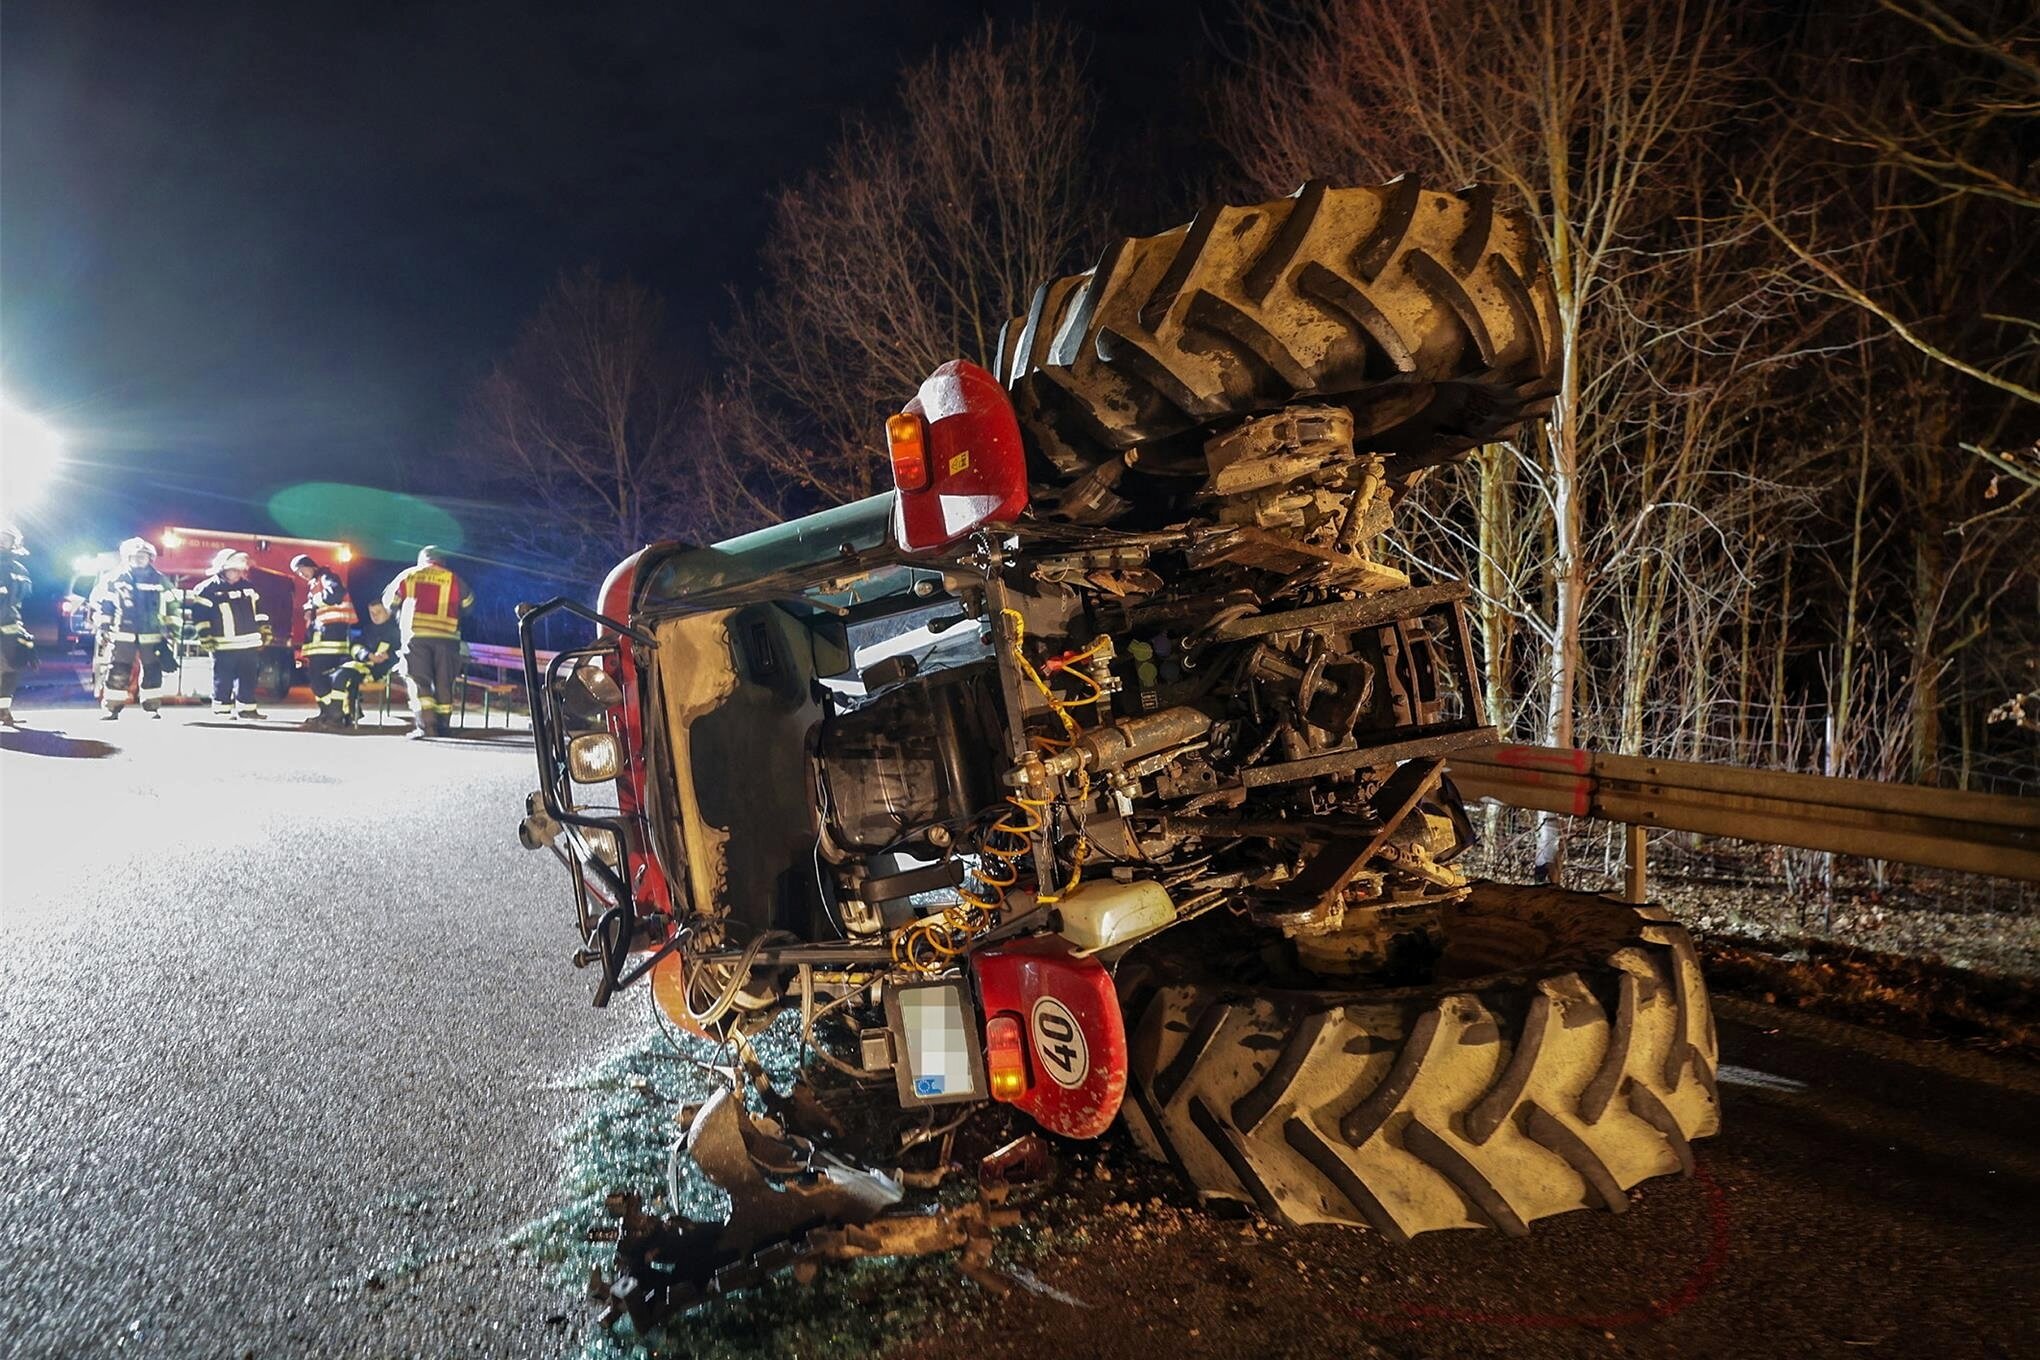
[375, 647]
[328, 615]
[230, 614]
[133, 604]
[14, 588]
[427, 601]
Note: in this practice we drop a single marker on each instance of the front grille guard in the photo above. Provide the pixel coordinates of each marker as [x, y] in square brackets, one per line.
[605, 909]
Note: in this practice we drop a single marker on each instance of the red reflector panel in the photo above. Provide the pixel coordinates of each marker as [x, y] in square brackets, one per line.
[1072, 1036]
[1005, 1057]
[906, 436]
[974, 463]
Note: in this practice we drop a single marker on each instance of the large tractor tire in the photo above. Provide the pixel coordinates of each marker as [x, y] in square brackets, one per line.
[1565, 1053]
[1429, 313]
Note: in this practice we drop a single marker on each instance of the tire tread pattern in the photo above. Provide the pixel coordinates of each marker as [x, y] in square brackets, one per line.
[1340, 294]
[1537, 1088]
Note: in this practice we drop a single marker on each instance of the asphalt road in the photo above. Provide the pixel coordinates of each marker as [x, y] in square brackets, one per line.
[285, 1019]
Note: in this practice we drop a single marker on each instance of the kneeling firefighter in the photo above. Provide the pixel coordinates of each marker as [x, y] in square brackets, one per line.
[17, 647]
[328, 617]
[374, 656]
[427, 600]
[234, 628]
[135, 615]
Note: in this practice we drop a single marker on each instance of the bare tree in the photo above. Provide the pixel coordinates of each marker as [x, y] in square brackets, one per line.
[584, 440]
[922, 234]
[1911, 203]
[1575, 106]
[1945, 131]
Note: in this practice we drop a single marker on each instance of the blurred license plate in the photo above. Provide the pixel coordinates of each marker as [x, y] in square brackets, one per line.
[936, 1037]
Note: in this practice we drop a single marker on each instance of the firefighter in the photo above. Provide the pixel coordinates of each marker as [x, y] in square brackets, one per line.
[17, 647]
[135, 614]
[328, 616]
[234, 628]
[374, 656]
[427, 600]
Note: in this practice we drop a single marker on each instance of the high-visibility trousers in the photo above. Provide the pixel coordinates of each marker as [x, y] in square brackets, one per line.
[431, 672]
[235, 669]
[124, 657]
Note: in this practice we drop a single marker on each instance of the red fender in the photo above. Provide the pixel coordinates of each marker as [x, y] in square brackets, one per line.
[1076, 1037]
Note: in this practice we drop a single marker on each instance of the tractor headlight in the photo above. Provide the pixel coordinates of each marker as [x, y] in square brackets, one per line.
[590, 691]
[602, 845]
[594, 758]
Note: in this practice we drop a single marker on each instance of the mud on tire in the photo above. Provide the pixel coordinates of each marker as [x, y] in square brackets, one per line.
[1430, 313]
[1574, 1059]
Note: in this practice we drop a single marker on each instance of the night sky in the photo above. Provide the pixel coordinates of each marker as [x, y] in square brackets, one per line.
[248, 245]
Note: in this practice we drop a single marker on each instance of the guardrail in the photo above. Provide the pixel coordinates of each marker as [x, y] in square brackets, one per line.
[1978, 833]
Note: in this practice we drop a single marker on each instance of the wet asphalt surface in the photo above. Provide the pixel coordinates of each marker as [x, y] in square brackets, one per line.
[282, 1018]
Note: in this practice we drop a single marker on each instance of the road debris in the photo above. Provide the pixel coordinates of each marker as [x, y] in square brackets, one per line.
[792, 1206]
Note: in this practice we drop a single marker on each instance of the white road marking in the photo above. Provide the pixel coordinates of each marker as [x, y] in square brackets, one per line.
[1731, 1075]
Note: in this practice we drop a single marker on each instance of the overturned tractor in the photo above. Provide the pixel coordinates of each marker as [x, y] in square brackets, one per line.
[1099, 770]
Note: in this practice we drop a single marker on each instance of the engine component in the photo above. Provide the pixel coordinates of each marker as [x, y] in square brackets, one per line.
[1364, 612]
[1103, 912]
[891, 887]
[919, 755]
[1127, 740]
[1292, 445]
[1301, 496]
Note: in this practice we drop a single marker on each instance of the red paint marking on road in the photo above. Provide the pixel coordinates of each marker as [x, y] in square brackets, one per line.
[1415, 1315]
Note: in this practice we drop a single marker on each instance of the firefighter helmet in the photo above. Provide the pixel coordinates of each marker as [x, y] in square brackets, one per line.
[229, 559]
[10, 540]
[431, 556]
[134, 547]
[301, 561]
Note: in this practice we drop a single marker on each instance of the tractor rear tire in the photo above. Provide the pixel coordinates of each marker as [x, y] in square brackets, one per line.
[1566, 1053]
[1431, 314]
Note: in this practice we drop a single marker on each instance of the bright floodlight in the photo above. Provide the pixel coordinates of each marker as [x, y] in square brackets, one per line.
[30, 454]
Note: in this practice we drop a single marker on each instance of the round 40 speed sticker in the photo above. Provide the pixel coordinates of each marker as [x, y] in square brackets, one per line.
[1059, 1046]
